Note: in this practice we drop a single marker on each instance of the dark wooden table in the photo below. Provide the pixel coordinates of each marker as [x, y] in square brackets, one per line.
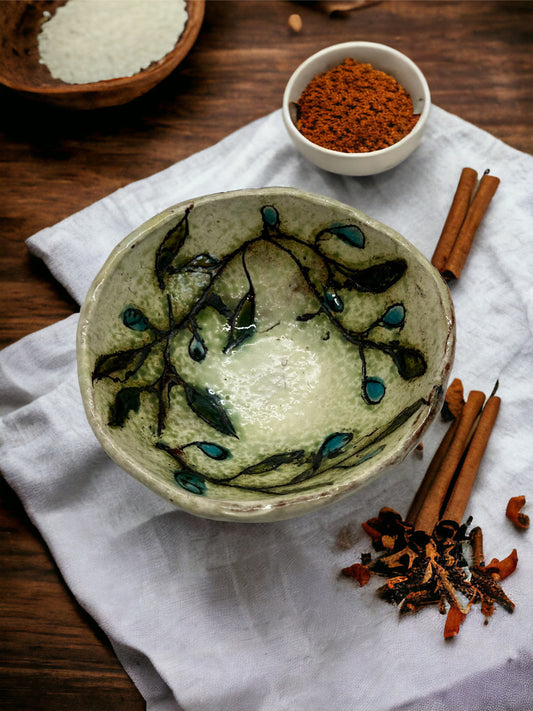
[478, 60]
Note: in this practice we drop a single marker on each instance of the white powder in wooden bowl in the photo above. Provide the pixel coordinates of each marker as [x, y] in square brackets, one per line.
[93, 40]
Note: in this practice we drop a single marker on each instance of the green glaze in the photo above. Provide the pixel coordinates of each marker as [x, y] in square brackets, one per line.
[252, 355]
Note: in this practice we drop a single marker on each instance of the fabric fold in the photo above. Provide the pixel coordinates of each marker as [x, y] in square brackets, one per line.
[207, 615]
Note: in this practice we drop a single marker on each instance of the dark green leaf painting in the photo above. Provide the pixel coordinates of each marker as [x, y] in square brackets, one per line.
[146, 380]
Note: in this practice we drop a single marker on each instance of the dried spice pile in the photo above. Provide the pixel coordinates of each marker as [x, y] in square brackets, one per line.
[446, 569]
[354, 108]
[430, 558]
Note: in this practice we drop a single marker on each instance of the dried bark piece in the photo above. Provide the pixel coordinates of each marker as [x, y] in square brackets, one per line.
[501, 569]
[454, 620]
[513, 513]
[358, 572]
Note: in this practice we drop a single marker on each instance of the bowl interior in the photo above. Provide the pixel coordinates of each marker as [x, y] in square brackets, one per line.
[22, 70]
[255, 354]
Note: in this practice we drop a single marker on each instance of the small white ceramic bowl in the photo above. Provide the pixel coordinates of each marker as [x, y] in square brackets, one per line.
[257, 354]
[382, 57]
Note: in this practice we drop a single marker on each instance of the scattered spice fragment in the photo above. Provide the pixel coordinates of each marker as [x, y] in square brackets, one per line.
[358, 572]
[295, 22]
[354, 108]
[454, 620]
[514, 514]
[476, 543]
[501, 569]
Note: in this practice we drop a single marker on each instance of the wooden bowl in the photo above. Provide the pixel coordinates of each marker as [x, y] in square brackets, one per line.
[20, 68]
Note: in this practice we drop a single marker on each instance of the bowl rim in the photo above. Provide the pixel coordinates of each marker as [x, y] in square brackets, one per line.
[278, 507]
[356, 44]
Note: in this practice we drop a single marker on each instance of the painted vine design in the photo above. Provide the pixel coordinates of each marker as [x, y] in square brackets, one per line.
[338, 449]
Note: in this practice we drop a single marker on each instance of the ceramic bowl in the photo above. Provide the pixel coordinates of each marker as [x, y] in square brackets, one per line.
[21, 69]
[382, 57]
[257, 354]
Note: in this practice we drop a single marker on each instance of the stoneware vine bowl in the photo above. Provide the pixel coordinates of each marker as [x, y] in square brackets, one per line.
[22, 70]
[257, 354]
[381, 57]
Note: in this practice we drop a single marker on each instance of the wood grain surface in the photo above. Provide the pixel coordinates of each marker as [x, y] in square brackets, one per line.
[478, 60]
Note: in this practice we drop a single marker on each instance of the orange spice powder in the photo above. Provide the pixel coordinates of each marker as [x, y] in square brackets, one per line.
[354, 108]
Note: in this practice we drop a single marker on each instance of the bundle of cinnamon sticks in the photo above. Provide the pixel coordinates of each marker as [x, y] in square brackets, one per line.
[421, 555]
[446, 487]
[469, 204]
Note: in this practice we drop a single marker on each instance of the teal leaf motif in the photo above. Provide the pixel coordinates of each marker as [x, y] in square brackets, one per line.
[332, 300]
[190, 481]
[243, 324]
[197, 348]
[134, 319]
[375, 279]
[334, 444]
[119, 365]
[212, 450]
[208, 407]
[394, 316]
[349, 234]
[270, 215]
[170, 247]
[373, 390]
[331, 447]
[126, 401]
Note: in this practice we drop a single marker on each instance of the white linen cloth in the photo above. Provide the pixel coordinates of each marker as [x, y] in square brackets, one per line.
[210, 616]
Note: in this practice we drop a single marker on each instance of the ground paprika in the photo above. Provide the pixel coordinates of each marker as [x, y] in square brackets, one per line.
[354, 108]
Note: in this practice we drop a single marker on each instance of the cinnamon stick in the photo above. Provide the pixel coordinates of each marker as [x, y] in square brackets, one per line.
[456, 215]
[431, 471]
[460, 495]
[461, 249]
[435, 500]
[452, 409]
